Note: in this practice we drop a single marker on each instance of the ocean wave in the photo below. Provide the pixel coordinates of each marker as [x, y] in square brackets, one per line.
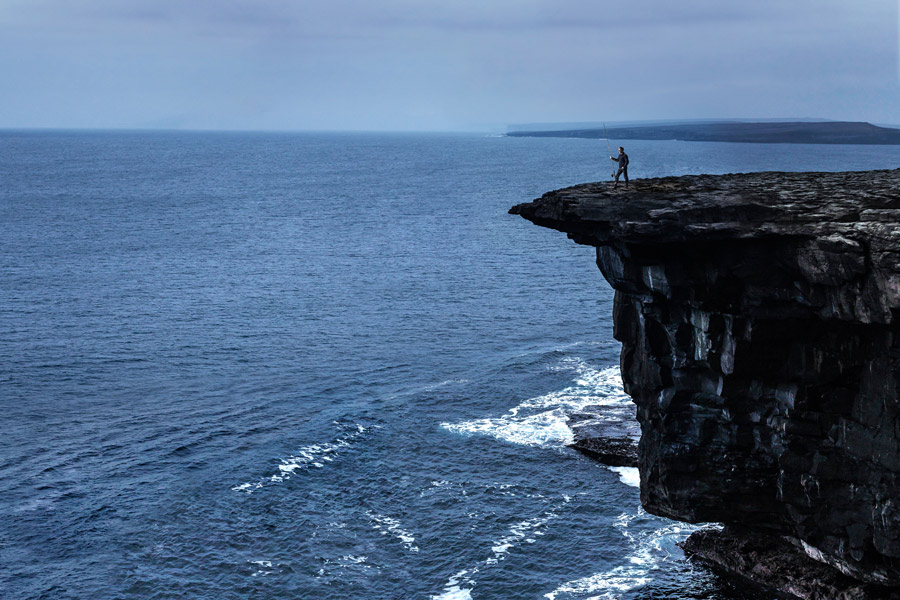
[314, 456]
[543, 420]
[628, 475]
[263, 568]
[459, 586]
[390, 526]
[336, 567]
[650, 550]
[453, 590]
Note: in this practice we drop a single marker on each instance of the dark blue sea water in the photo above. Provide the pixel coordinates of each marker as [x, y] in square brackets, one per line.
[319, 366]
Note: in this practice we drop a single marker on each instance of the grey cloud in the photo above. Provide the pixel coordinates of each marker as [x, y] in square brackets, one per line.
[410, 64]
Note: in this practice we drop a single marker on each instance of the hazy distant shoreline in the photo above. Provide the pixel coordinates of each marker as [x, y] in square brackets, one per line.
[799, 132]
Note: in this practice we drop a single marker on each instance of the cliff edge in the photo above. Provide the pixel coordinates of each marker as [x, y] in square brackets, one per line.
[759, 316]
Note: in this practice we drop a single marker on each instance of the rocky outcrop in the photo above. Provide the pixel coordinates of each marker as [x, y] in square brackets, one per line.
[608, 436]
[773, 563]
[758, 315]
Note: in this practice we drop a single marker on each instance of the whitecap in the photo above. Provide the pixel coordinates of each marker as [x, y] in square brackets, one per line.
[264, 567]
[460, 585]
[390, 526]
[628, 475]
[335, 567]
[307, 457]
[650, 549]
[453, 591]
[543, 420]
[543, 429]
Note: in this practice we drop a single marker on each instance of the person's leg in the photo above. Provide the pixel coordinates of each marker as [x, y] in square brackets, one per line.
[618, 173]
[625, 173]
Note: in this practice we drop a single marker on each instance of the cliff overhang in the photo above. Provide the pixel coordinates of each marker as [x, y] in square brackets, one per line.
[758, 315]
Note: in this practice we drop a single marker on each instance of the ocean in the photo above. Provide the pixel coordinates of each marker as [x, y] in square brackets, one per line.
[325, 366]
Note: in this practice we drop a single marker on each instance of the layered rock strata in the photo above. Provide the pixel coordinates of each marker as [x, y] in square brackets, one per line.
[610, 437]
[758, 315]
[777, 564]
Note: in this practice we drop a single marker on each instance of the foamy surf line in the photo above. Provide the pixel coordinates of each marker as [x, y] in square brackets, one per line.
[543, 420]
[390, 526]
[459, 586]
[650, 549]
[630, 476]
[314, 456]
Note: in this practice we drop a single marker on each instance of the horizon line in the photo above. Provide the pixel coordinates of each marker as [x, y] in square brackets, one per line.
[496, 130]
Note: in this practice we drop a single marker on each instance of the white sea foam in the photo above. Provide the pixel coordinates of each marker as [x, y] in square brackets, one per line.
[313, 456]
[459, 586]
[452, 591]
[542, 421]
[390, 526]
[650, 549]
[519, 532]
[544, 429]
[336, 566]
[441, 487]
[264, 567]
[628, 475]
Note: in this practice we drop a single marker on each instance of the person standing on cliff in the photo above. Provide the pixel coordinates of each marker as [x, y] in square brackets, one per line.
[622, 159]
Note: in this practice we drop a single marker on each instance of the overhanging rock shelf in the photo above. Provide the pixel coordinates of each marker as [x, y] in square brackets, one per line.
[759, 316]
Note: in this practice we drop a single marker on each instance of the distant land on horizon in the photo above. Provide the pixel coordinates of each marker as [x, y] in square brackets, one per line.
[770, 132]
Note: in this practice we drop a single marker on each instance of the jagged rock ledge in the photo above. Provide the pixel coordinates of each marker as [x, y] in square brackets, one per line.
[777, 564]
[758, 318]
[607, 435]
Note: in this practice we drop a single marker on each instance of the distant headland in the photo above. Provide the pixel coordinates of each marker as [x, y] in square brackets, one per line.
[780, 132]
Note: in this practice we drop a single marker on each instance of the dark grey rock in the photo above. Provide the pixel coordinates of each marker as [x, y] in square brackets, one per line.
[777, 565]
[608, 435]
[761, 345]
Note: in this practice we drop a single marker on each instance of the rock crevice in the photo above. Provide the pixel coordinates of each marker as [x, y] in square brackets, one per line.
[758, 315]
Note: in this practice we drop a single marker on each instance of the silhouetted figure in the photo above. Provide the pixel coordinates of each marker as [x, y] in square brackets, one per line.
[622, 159]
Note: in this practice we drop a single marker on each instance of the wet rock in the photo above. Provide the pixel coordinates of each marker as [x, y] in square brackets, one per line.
[609, 436]
[777, 565]
[761, 346]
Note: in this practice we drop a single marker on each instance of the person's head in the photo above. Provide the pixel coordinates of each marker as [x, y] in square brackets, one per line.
[621, 149]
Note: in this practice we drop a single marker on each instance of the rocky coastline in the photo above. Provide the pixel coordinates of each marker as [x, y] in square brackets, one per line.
[783, 132]
[608, 437]
[758, 316]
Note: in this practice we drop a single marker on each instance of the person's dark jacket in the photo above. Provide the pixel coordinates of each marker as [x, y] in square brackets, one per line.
[622, 159]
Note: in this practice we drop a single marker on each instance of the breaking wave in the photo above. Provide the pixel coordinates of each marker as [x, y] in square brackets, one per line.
[542, 421]
[459, 586]
[314, 456]
[651, 549]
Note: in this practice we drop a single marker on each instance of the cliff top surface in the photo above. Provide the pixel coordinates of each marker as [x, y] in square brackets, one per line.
[826, 242]
[859, 205]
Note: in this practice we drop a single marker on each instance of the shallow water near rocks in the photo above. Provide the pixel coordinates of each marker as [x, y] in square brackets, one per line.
[320, 366]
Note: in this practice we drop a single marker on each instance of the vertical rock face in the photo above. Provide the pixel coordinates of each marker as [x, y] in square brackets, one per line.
[760, 343]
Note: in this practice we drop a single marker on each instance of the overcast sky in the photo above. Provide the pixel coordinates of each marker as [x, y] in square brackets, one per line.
[442, 64]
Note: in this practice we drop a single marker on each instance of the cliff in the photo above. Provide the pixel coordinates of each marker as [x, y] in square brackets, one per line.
[758, 315]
